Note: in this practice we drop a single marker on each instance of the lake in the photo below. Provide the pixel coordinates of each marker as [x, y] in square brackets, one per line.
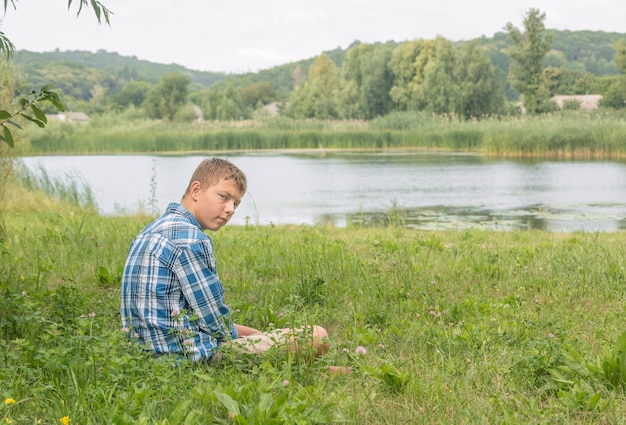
[422, 191]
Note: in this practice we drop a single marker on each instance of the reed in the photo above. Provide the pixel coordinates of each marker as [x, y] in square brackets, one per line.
[570, 134]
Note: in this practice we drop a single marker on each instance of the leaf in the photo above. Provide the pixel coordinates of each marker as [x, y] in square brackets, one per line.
[39, 114]
[8, 137]
[14, 124]
[227, 401]
[593, 401]
[36, 121]
[4, 115]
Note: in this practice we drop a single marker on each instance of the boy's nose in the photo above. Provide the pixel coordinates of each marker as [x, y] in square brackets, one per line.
[230, 207]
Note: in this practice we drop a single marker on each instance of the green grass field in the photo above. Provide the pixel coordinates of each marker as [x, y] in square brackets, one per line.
[459, 327]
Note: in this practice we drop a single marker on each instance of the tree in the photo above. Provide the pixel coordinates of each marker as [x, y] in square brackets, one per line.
[480, 82]
[620, 54]
[366, 81]
[615, 94]
[258, 94]
[133, 93]
[528, 51]
[314, 98]
[440, 92]
[28, 108]
[222, 103]
[409, 65]
[164, 100]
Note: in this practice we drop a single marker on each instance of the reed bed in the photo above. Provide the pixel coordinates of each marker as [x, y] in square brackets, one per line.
[580, 134]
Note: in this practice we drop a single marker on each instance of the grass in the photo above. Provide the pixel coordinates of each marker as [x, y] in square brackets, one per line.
[569, 134]
[466, 326]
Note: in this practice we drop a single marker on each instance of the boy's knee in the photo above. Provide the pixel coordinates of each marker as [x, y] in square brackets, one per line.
[319, 332]
[320, 340]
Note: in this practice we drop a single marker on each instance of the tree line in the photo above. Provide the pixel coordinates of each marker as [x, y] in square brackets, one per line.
[471, 79]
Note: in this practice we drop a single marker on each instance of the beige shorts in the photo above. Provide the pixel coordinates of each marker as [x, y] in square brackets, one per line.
[258, 343]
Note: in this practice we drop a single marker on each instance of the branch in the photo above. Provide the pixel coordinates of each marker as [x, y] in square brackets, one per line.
[34, 115]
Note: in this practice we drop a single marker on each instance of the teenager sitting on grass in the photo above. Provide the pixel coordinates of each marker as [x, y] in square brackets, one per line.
[172, 298]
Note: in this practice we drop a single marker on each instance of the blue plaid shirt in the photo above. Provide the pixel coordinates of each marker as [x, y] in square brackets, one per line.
[172, 298]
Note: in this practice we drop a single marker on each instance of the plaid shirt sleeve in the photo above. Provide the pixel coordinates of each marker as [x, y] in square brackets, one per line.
[172, 298]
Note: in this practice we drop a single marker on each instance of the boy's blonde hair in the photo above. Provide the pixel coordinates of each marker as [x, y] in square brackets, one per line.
[212, 171]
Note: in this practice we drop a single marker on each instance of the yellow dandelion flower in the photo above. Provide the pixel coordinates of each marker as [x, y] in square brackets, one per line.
[7, 420]
[65, 420]
[9, 401]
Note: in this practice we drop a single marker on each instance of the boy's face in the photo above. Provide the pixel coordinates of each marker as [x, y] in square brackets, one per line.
[214, 206]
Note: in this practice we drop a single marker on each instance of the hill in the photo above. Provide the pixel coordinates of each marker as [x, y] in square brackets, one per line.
[78, 73]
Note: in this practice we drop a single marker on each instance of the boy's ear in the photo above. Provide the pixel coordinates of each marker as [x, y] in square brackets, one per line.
[195, 189]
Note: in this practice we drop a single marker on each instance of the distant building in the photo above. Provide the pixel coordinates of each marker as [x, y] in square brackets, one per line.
[587, 101]
[79, 117]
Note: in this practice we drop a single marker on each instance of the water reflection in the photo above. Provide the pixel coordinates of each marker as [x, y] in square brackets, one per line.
[441, 217]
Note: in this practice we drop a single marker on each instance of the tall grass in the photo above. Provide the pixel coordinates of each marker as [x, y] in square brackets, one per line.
[458, 327]
[578, 134]
[69, 187]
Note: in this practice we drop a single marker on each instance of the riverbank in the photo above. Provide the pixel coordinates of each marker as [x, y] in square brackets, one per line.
[443, 326]
[571, 135]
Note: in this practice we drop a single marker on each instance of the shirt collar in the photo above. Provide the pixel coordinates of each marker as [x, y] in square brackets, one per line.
[178, 209]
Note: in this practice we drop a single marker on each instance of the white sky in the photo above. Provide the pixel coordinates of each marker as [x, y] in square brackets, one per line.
[238, 36]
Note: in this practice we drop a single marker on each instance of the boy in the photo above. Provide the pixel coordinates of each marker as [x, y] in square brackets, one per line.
[172, 299]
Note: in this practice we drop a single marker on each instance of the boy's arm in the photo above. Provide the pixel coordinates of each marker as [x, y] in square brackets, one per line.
[203, 290]
[245, 330]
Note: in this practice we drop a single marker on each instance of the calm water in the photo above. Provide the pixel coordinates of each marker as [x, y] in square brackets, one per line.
[425, 191]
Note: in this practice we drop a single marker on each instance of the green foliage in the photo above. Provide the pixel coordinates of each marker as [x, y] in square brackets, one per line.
[29, 110]
[223, 103]
[620, 54]
[370, 82]
[314, 98]
[133, 93]
[366, 82]
[528, 51]
[481, 84]
[166, 98]
[614, 95]
[69, 188]
[571, 134]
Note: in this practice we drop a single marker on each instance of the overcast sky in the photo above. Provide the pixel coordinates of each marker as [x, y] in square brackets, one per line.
[238, 36]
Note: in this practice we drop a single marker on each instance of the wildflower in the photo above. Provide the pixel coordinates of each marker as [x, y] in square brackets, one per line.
[286, 383]
[188, 342]
[92, 314]
[360, 350]
[124, 329]
[24, 293]
[65, 420]
[9, 401]
[550, 335]
[381, 346]
[7, 420]
[174, 313]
